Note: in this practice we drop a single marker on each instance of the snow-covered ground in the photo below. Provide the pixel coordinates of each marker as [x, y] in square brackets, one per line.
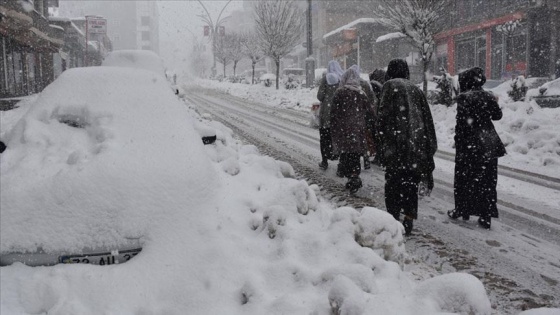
[531, 133]
[232, 231]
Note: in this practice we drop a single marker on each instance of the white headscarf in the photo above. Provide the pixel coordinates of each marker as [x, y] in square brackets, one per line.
[334, 72]
[351, 78]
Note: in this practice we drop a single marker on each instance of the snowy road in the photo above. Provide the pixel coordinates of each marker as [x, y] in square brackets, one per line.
[518, 260]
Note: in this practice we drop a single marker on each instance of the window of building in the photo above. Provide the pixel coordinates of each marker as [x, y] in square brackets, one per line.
[145, 35]
[147, 47]
[145, 20]
[3, 70]
[465, 51]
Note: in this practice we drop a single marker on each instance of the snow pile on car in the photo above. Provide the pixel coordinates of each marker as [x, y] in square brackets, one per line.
[137, 59]
[94, 162]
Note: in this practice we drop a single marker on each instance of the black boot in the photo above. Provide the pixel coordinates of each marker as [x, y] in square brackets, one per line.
[407, 223]
[367, 163]
[354, 184]
[323, 165]
[485, 222]
[454, 214]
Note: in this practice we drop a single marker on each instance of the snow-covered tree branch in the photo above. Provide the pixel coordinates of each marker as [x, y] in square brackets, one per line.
[416, 19]
[221, 51]
[252, 50]
[279, 28]
[235, 49]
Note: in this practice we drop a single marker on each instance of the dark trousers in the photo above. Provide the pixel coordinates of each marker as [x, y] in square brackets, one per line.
[325, 142]
[475, 186]
[401, 192]
[350, 164]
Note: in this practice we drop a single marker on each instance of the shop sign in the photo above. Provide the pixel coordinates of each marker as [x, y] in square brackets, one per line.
[96, 26]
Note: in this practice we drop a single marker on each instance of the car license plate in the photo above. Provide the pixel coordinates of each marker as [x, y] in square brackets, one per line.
[107, 258]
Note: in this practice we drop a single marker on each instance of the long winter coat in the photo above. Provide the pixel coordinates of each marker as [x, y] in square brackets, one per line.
[406, 128]
[478, 147]
[475, 136]
[325, 95]
[348, 122]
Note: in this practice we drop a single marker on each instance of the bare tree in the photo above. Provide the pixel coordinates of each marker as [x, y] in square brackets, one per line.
[252, 50]
[199, 58]
[418, 20]
[221, 51]
[279, 28]
[235, 49]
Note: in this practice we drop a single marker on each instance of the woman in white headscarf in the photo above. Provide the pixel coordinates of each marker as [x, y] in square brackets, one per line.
[327, 87]
[350, 106]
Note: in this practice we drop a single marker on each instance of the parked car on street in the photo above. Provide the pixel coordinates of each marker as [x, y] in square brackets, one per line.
[546, 95]
[293, 77]
[98, 158]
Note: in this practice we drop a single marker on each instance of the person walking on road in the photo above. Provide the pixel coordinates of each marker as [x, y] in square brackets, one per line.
[478, 148]
[329, 83]
[407, 142]
[348, 125]
[376, 80]
[370, 119]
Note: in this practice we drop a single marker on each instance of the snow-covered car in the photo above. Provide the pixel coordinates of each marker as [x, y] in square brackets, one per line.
[268, 79]
[100, 156]
[293, 77]
[546, 95]
[138, 59]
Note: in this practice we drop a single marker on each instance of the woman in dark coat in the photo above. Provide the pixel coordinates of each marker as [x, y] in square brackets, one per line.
[370, 119]
[327, 87]
[407, 142]
[348, 125]
[376, 80]
[478, 148]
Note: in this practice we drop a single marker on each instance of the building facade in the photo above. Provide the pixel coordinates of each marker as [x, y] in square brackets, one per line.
[130, 24]
[507, 38]
[27, 45]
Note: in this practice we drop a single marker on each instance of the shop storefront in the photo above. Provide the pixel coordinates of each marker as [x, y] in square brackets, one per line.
[507, 46]
[27, 44]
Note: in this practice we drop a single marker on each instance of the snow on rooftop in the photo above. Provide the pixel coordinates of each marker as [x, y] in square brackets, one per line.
[350, 25]
[389, 37]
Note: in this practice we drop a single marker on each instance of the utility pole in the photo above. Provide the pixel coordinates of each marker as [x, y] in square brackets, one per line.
[309, 61]
[214, 29]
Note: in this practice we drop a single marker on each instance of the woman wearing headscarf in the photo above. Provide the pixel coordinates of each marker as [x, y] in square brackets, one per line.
[348, 125]
[376, 80]
[370, 118]
[327, 87]
[407, 142]
[478, 148]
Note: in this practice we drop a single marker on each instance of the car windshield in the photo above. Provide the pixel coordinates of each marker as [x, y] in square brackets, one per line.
[214, 157]
[293, 71]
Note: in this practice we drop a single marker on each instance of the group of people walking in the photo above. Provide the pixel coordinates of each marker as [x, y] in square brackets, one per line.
[389, 120]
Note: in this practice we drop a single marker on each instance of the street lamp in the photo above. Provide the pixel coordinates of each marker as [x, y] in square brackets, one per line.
[214, 28]
[309, 61]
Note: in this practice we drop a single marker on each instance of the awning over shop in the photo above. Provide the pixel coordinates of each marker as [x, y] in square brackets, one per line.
[349, 31]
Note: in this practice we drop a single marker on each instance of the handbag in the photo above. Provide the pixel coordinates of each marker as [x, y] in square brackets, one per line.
[491, 145]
